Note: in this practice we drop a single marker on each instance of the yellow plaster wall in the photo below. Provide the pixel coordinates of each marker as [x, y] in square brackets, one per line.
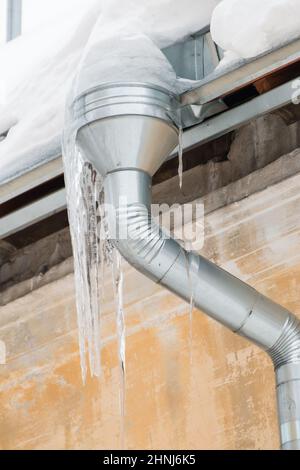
[212, 391]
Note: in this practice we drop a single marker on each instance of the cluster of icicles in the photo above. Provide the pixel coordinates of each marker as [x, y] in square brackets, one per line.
[114, 53]
[93, 254]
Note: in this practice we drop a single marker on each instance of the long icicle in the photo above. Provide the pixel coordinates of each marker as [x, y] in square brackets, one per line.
[84, 186]
[180, 157]
[121, 332]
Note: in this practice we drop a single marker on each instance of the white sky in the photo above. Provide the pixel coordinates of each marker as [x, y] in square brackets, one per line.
[36, 13]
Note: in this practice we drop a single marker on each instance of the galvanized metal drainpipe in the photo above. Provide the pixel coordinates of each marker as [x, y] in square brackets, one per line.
[149, 122]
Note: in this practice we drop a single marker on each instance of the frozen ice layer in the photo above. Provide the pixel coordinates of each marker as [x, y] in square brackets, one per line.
[164, 21]
[126, 57]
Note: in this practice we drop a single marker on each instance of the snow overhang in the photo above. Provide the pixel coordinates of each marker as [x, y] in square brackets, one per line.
[217, 104]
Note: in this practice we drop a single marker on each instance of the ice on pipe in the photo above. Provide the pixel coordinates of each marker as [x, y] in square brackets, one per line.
[126, 41]
[247, 28]
[113, 54]
[123, 47]
[125, 57]
[164, 21]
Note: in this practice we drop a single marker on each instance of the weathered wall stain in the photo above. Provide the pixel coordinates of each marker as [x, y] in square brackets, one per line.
[213, 392]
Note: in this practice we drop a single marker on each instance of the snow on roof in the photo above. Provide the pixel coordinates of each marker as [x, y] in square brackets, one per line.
[37, 69]
[36, 72]
[247, 28]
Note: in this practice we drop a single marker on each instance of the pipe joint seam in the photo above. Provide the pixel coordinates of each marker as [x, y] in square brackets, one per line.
[287, 348]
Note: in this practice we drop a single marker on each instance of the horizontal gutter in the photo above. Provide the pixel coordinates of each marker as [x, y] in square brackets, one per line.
[237, 117]
[29, 180]
[33, 213]
[245, 73]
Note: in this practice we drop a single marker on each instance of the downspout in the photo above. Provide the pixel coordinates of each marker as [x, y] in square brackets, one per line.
[126, 131]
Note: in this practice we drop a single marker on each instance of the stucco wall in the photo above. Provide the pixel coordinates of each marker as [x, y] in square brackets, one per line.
[214, 392]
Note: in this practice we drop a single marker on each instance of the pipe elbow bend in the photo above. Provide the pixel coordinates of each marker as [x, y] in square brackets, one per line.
[143, 243]
[139, 239]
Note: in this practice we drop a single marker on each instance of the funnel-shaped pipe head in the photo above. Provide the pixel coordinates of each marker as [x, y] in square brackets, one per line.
[127, 127]
[127, 142]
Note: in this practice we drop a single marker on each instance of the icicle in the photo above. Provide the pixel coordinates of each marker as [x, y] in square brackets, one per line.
[180, 157]
[187, 251]
[118, 285]
[87, 225]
